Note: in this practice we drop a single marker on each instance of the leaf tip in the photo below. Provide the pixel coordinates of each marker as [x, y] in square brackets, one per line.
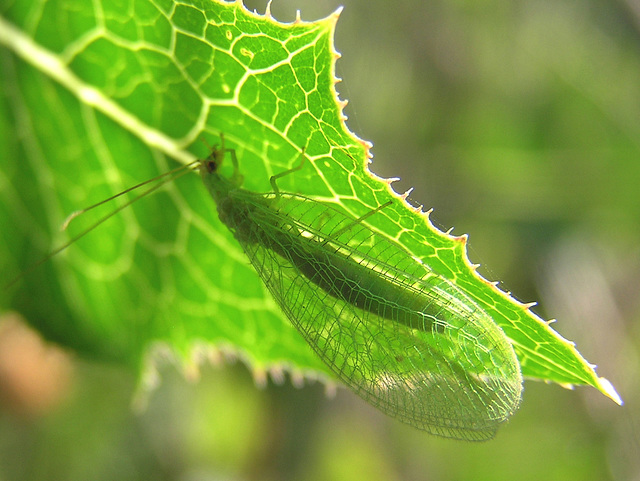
[333, 18]
[608, 390]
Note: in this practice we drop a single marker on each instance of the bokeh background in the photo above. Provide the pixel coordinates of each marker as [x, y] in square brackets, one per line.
[519, 123]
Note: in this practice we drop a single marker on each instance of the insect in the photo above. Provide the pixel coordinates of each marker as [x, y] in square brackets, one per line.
[403, 338]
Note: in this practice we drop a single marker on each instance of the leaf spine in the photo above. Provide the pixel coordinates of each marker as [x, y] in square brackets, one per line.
[259, 376]
[277, 375]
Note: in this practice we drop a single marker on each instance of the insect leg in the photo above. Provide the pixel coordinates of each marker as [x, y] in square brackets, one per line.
[273, 178]
[360, 219]
[237, 178]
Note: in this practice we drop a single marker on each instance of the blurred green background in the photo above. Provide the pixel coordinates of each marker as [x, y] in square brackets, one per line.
[519, 123]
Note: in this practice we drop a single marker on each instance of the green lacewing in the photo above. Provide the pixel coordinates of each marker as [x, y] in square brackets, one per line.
[403, 338]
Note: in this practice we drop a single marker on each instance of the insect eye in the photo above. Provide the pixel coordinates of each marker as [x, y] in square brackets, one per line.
[212, 166]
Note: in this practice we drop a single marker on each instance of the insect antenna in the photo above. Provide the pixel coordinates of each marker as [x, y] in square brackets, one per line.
[172, 174]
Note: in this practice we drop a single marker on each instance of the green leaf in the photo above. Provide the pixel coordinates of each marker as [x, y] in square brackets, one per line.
[98, 100]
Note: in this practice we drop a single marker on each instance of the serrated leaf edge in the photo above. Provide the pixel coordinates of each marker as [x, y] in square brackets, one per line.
[201, 353]
[601, 383]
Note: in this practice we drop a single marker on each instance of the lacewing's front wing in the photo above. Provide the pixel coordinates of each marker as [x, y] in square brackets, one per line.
[403, 338]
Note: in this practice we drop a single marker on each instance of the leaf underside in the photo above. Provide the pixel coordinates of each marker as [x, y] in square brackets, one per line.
[98, 100]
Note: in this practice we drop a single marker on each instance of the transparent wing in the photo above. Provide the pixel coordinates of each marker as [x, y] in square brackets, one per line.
[406, 340]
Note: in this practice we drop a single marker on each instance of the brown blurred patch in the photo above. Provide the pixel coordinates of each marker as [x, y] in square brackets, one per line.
[34, 375]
